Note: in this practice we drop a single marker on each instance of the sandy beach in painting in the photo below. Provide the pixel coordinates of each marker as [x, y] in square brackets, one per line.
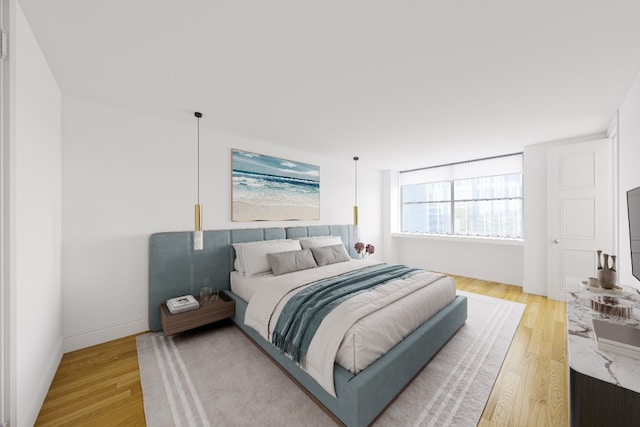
[243, 211]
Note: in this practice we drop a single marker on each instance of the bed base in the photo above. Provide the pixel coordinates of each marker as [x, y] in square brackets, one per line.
[176, 269]
[361, 398]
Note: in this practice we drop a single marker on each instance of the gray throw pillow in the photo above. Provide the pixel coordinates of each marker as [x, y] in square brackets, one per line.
[290, 261]
[330, 255]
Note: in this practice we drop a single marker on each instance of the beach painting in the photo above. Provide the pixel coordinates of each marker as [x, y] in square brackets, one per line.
[266, 188]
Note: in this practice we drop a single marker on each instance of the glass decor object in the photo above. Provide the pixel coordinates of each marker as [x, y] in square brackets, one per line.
[205, 295]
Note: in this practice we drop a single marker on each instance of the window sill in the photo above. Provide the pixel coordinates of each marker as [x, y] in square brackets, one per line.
[465, 239]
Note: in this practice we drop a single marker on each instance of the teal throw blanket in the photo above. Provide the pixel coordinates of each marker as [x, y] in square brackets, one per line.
[303, 313]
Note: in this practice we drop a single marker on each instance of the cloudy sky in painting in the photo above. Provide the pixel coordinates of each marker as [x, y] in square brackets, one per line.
[258, 163]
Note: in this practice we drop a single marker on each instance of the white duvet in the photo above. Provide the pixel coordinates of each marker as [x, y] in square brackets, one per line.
[360, 330]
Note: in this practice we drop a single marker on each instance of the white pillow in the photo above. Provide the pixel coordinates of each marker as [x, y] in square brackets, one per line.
[252, 259]
[238, 263]
[320, 241]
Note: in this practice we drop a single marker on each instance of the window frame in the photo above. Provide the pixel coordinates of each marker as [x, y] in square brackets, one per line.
[452, 202]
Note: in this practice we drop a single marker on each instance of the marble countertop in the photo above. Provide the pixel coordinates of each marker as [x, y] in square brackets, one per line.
[584, 356]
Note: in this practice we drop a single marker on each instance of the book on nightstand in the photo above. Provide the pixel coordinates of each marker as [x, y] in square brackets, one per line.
[182, 304]
[621, 339]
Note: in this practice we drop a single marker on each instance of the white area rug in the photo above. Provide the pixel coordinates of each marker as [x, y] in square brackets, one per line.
[218, 377]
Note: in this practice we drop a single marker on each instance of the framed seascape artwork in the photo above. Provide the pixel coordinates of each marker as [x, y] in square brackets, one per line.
[266, 188]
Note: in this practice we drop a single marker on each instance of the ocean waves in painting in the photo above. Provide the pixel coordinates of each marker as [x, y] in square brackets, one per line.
[267, 188]
[270, 190]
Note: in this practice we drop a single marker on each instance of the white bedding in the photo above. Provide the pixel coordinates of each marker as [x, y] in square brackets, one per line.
[357, 332]
[245, 287]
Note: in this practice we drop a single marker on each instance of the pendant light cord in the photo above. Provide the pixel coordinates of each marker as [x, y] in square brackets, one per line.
[198, 160]
[198, 115]
[356, 173]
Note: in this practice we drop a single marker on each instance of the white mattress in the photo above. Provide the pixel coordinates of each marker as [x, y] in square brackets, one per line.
[362, 339]
[374, 335]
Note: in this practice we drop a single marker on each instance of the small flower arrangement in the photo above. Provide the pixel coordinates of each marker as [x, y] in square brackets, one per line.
[364, 250]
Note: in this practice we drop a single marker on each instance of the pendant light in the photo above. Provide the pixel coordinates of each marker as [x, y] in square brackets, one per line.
[198, 238]
[356, 231]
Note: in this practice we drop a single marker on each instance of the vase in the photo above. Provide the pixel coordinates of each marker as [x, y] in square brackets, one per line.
[607, 276]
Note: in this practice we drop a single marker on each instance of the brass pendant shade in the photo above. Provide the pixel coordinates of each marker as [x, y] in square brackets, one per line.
[198, 217]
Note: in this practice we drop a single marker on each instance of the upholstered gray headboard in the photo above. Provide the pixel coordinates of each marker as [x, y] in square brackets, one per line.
[175, 269]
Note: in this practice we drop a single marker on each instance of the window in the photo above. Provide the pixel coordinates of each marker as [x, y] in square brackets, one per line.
[426, 208]
[488, 206]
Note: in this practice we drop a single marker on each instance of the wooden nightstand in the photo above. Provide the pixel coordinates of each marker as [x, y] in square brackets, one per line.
[222, 308]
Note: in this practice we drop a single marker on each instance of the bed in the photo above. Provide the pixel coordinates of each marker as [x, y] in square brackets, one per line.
[355, 394]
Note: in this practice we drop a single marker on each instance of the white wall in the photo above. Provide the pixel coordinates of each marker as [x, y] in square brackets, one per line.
[390, 214]
[127, 175]
[628, 175]
[370, 203]
[469, 257]
[36, 343]
[535, 219]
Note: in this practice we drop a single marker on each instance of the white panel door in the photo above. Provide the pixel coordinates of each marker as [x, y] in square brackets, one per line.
[579, 211]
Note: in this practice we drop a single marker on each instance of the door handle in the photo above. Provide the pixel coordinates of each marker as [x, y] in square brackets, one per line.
[556, 241]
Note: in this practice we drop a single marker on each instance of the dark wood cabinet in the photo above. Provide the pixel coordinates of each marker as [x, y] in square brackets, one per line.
[594, 402]
[221, 308]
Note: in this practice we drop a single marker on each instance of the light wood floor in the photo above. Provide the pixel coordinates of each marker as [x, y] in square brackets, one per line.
[531, 389]
[100, 385]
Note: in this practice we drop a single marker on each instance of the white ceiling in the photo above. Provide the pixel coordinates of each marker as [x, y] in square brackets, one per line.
[401, 83]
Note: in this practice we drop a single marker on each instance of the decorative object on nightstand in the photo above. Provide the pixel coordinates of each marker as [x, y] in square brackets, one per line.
[182, 304]
[218, 309]
[205, 295]
[364, 250]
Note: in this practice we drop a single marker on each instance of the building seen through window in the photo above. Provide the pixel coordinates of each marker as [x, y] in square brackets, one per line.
[486, 206]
